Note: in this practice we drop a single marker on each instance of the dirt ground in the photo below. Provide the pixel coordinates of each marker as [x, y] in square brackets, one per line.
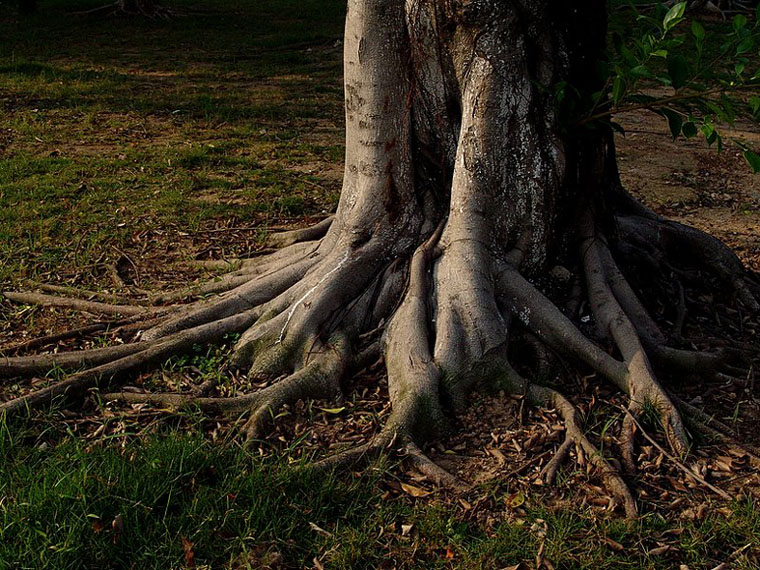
[694, 184]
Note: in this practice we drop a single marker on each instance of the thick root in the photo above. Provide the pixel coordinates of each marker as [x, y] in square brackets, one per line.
[40, 364]
[689, 245]
[319, 380]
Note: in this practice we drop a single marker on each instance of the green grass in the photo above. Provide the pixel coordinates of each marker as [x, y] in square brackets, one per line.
[125, 125]
[59, 502]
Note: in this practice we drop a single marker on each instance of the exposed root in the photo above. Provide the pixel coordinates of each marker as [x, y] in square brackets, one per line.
[542, 396]
[303, 312]
[241, 272]
[689, 245]
[40, 364]
[614, 323]
[118, 8]
[111, 298]
[574, 435]
[549, 472]
[111, 326]
[678, 463]
[546, 321]
[413, 377]
[432, 470]
[319, 380]
[252, 294]
[230, 407]
[310, 233]
[76, 385]
[76, 304]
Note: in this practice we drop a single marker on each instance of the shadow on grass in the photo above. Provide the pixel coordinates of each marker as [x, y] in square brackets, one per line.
[198, 63]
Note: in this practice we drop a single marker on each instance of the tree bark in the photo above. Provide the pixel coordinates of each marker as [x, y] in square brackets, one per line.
[465, 195]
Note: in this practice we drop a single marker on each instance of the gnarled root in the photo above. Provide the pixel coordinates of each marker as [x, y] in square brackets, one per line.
[456, 172]
[540, 395]
[642, 386]
[312, 317]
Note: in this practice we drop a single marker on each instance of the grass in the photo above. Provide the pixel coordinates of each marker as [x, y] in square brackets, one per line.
[233, 114]
[59, 503]
[129, 135]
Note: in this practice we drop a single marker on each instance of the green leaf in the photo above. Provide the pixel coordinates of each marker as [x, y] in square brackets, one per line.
[754, 104]
[689, 130]
[618, 89]
[745, 45]
[729, 113]
[674, 16]
[698, 30]
[675, 121]
[678, 69]
[740, 22]
[641, 71]
[709, 133]
[753, 160]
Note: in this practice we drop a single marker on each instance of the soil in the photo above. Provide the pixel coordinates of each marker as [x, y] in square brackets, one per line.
[715, 192]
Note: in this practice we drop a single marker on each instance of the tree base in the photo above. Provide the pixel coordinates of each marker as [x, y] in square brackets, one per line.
[304, 329]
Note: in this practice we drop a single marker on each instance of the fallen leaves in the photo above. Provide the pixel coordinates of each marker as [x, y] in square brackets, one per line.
[414, 491]
[187, 549]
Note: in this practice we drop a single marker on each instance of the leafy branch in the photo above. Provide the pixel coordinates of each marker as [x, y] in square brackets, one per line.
[708, 76]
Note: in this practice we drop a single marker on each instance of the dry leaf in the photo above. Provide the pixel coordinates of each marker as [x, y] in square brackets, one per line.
[187, 548]
[414, 491]
[660, 550]
[616, 546]
[117, 525]
[497, 454]
[540, 554]
[406, 529]
[333, 410]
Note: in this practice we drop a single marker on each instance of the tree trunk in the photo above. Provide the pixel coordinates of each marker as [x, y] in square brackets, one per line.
[464, 197]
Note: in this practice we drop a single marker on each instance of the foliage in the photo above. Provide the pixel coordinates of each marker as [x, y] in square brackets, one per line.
[697, 77]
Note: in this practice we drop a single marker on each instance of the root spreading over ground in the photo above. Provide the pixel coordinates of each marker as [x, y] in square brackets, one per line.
[465, 223]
